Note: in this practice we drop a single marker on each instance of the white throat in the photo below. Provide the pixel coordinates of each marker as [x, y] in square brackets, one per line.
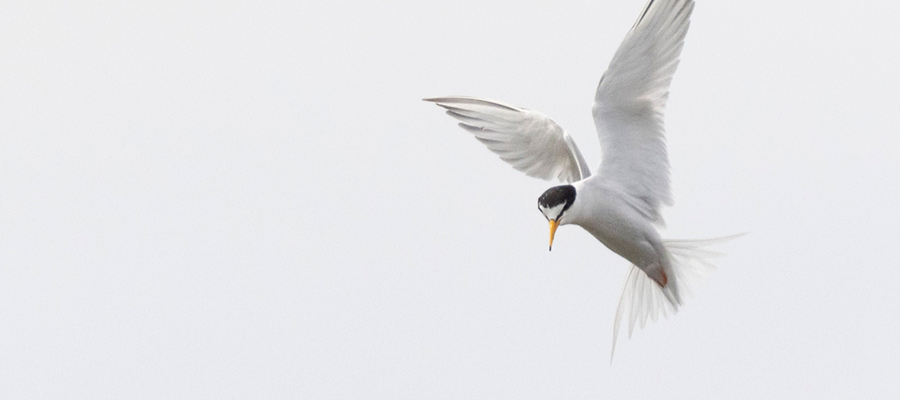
[553, 212]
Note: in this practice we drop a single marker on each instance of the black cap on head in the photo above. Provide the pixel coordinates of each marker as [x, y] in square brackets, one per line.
[557, 195]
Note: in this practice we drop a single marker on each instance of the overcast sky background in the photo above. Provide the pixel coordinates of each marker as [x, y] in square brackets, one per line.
[250, 200]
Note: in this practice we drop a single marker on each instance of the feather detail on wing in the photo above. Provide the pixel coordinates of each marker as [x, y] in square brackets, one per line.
[631, 99]
[528, 140]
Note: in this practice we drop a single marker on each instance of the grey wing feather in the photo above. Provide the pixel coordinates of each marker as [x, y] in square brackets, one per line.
[528, 140]
[630, 103]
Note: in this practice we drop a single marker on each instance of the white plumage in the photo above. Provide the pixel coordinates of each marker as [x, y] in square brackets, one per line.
[620, 204]
[528, 140]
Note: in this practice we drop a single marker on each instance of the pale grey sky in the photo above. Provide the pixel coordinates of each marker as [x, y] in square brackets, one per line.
[250, 200]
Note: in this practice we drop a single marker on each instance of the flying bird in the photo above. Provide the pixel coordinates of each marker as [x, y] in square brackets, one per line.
[620, 203]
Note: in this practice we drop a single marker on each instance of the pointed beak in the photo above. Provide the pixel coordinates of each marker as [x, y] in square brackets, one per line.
[553, 225]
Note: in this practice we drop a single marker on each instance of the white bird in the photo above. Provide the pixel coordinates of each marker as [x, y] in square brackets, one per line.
[620, 204]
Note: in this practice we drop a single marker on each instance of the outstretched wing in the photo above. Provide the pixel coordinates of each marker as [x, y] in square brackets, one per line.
[631, 98]
[528, 140]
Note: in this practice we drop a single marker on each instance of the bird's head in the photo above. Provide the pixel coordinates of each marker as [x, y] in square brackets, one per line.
[553, 204]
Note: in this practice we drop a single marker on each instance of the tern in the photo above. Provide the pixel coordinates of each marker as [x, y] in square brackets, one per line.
[620, 204]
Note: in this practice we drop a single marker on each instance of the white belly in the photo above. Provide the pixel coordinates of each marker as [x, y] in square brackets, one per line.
[622, 229]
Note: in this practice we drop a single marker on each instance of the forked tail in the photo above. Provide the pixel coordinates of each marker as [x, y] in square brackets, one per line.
[643, 299]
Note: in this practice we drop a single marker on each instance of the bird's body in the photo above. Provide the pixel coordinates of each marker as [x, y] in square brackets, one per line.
[608, 215]
[620, 203]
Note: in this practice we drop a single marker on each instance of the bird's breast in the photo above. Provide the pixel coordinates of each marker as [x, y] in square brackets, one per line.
[621, 228]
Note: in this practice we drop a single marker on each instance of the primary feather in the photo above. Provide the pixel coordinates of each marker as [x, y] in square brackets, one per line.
[630, 103]
[526, 139]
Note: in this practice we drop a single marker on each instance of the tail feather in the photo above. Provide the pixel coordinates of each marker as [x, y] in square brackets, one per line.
[643, 299]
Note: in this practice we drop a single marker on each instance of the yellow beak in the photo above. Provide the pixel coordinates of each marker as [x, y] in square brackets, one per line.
[553, 225]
